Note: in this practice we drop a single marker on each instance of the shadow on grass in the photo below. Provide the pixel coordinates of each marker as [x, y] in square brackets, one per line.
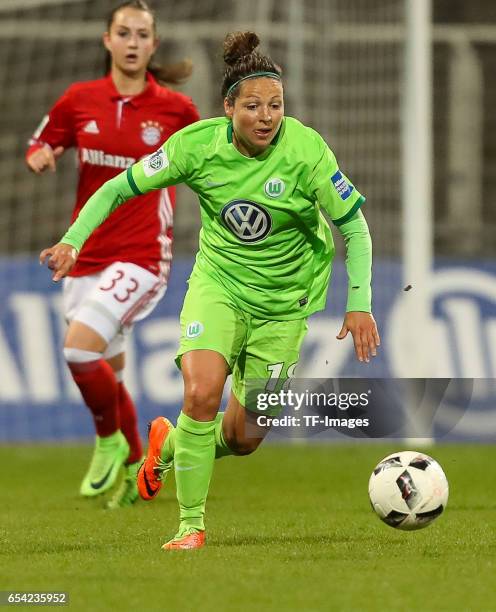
[53, 548]
[469, 508]
[317, 538]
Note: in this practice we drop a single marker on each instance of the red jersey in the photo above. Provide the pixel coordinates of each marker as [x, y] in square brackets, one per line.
[111, 132]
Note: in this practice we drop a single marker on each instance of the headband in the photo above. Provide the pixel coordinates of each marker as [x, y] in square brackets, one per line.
[254, 75]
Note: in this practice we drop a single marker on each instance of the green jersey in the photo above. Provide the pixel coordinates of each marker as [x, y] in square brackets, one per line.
[263, 236]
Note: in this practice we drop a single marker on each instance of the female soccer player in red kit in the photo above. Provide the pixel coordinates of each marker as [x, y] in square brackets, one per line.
[122, 272]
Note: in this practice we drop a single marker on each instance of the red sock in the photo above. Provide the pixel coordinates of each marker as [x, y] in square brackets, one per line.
[129, 424]
[98, 385]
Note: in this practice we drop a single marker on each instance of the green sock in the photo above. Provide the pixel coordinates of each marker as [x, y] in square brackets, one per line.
[221, 447]
[167, 452]
[193, 463]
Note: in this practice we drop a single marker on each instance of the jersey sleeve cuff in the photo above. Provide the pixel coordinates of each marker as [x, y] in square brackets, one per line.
[72, 241]
[359, 300]
[132, 182]
[33, 145]
[350, 213]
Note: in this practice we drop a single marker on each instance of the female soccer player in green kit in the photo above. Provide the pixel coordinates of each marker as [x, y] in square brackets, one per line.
[263, 267]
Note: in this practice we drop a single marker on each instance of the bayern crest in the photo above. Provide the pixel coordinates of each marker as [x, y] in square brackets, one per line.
[151, 132]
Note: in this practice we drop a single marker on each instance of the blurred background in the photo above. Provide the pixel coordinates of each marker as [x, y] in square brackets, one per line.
[402, 90]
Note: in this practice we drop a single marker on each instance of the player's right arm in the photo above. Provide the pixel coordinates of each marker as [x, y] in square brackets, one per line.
[167, 166]
[54, 134]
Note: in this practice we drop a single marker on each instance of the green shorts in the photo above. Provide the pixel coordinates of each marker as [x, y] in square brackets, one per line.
[262, 352]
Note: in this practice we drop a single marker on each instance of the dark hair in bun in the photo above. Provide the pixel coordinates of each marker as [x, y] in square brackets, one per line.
[242, 59]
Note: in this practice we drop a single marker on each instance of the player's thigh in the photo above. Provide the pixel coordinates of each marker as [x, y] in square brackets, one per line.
[270, 357]
[112, 300]
[79, 335]
[75, 289]
[210, 321]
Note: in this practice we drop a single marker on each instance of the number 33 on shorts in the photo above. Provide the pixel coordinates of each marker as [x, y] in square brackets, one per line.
[132, 286]
[121, 294]
[127, 290]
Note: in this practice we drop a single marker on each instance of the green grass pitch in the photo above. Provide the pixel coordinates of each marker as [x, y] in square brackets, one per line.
[288, 528]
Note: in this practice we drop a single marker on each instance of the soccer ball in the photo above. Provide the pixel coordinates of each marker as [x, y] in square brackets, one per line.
[408, 490]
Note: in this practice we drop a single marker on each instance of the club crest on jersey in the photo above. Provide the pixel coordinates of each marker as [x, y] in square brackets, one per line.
[194, 329]
[151, 132]
[155, 162]
[274, 187]
[341, 185]
[247, 220]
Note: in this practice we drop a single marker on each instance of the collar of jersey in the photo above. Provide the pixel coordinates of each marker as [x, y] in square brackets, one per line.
[269, 149]
[148, 92]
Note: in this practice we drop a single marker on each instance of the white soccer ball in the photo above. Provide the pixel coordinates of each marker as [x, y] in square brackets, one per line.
[408, 490]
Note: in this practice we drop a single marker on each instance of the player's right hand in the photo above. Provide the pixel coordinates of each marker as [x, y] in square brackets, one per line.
[61, 258]
[44, 158]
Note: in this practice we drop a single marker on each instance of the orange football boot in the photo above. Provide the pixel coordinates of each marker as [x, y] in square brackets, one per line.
[186, 540]
[153, 470]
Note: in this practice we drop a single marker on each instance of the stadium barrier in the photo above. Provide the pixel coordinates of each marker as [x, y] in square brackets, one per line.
[39, 401]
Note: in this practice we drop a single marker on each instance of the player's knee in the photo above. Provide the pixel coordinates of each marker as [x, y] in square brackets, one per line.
[201, 398]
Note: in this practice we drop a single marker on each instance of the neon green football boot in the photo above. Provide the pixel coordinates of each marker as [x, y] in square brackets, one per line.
[127, 493]
[109, 454]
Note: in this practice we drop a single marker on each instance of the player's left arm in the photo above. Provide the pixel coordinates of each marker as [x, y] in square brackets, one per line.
[342, 201]
[359, 319]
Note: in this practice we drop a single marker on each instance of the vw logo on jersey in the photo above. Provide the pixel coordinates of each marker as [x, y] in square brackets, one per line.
[274, 187]
[247, 220]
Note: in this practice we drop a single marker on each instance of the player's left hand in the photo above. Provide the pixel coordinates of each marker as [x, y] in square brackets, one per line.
[366, 337]
[61, 257]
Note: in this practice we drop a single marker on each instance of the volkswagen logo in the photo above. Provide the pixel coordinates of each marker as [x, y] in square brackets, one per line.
[247, 220]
